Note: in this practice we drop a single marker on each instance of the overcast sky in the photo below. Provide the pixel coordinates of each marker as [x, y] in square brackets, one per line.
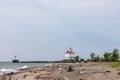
[45, 29]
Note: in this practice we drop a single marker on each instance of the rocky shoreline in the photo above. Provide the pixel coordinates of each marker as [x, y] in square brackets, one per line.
[66, 71]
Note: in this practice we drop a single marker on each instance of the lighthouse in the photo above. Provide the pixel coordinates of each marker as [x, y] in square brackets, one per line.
[15, 60]
[69, 54]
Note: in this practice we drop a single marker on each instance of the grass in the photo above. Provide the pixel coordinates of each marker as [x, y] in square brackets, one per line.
[115, 65]
[58, 78]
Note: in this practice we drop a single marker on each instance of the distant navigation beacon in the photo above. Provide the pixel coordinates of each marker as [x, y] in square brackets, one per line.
[15, 60]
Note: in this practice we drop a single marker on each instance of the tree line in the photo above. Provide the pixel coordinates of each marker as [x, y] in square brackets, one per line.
[107, 57]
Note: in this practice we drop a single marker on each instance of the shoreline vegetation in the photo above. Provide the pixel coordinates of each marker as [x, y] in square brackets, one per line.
[107, 57]
[115, 64]
[67, 71]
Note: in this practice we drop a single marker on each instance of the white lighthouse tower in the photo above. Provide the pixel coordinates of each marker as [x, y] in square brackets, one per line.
[69, 54]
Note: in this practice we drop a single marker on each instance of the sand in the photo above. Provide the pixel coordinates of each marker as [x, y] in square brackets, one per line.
[81, 71]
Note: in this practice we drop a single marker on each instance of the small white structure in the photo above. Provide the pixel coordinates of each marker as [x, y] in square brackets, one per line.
[69, 55]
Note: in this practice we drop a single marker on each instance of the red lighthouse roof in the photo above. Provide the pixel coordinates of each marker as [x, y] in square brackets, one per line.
[70, 51]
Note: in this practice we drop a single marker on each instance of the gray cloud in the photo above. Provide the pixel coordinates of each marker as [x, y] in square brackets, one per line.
[36, 29]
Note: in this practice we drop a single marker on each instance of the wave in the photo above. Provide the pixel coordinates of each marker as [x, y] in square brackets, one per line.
[23, 67]
[9, 71]
[16, 70]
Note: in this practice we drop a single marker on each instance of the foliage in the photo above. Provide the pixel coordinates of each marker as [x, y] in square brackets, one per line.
[115, 55]
[92, 56]
[58, 78]
[77, 58]
[107, 56]
[82, 60]
[96, 58]
[115, 65]
[88, 60]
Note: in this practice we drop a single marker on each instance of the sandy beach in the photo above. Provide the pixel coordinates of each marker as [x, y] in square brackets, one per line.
[80, 71]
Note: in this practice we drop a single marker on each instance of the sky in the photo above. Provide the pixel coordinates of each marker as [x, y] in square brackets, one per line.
[45, 29]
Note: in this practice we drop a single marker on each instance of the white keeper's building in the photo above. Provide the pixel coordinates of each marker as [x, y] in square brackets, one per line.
[69, 54]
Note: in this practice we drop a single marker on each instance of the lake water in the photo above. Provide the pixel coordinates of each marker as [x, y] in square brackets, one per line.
[7, 67]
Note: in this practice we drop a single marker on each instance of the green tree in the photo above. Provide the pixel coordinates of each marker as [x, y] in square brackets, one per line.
[97, 58]
[101, 59]
[107, 57]
[77, 58]
[115, 55]
[88, 60]
[82, 60]
[92, 55]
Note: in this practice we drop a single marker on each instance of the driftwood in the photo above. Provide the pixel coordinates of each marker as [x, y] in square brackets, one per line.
[107, 71]
[24, 76]
[118, 73]
[69, 69]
